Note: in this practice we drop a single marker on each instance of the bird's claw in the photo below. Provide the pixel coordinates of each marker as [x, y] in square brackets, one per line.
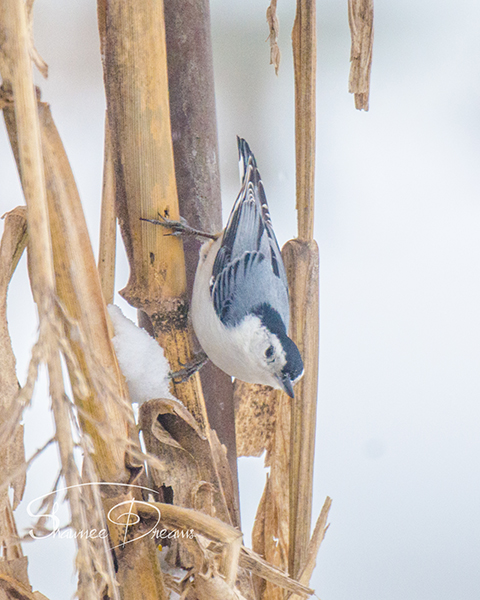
[179, 228]
[189, 368]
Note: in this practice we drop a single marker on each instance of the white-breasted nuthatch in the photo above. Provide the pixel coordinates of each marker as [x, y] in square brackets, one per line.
[240, 303]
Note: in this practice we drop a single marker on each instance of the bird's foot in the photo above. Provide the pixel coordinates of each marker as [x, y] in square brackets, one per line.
[189, 369]
[179, 228]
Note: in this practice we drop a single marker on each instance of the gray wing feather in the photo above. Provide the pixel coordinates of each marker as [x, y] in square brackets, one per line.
[248, 269]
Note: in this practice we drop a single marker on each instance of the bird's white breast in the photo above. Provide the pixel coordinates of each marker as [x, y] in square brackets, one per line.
[232, 349]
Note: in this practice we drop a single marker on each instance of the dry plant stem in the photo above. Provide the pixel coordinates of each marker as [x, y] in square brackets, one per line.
[360, 19]
[138, 116]
[302, 265]
[314, 546]
[23, 468]
[254, 418]
[301, 262]
[195, 149]
[136, 82]
[304, 42]
[108, 224]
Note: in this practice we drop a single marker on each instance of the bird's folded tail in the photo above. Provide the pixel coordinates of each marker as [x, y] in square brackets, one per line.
[245, 155]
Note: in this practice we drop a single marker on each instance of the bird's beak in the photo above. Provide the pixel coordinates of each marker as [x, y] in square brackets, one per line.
[287, 386]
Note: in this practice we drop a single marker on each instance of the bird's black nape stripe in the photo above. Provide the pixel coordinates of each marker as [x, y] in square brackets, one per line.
[271, 319]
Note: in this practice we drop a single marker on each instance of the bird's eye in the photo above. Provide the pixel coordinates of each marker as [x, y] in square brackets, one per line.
[269, 352]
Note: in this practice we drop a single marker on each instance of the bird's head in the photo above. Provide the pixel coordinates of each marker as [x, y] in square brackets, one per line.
[277, 355]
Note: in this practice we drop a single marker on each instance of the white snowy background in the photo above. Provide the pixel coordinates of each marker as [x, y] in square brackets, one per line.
[397, 221]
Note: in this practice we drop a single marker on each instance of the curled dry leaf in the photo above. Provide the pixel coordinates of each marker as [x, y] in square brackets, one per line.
[274, 27]
[170, 433]
[191, 464]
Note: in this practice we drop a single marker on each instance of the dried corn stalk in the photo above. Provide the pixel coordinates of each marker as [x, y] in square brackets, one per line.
[197, 175]
[282, 526]
[360, 19]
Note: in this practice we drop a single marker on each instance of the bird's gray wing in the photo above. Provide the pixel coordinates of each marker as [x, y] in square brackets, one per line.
[248, 268]
[232, 291]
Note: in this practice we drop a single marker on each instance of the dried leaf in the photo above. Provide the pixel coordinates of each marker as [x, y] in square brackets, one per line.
[37, 59]
[270, 535]
[360, 19]
[190, 461]
[171, 434]
[257, 565]
[108, 223]
[274, 27]
[12, 455]
[314, 546]
[79, 290]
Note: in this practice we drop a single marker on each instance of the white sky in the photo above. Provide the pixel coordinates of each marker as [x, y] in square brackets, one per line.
[397, 221]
